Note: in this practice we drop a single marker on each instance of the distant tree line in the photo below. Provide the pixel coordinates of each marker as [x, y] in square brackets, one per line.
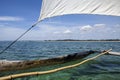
[85, 40]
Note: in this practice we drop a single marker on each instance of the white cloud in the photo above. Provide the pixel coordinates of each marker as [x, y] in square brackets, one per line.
[99, 25]
[86, 28]
[67, 31]
[50, 32]
[56, 32]
[10, 18]
[101, 28]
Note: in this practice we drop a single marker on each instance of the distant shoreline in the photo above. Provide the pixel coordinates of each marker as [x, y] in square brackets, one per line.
[81, 41]
[72, 40]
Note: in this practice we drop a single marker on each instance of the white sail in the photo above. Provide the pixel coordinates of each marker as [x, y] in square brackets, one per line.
[51, 8]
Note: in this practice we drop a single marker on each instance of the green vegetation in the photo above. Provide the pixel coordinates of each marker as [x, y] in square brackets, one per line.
[85, 40]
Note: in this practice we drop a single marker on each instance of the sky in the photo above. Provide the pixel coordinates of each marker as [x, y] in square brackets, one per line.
[16, 16]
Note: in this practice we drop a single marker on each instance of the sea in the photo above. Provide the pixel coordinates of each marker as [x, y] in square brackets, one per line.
[106, 67]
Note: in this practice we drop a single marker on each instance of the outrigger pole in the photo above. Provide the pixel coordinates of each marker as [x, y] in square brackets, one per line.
[10, 77]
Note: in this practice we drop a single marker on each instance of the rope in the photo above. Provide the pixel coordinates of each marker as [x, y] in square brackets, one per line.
[54, 70]
[18, 38]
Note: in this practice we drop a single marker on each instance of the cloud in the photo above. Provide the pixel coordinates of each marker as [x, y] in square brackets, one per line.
[67, 31]
[56, 32]
[55, 29]
[99, 25]
[102, 28]
[86, 28]
[52, 32]
[10, 18]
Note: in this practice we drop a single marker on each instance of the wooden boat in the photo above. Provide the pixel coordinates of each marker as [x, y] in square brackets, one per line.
[18, 65]
[21, 65]
[52, 8]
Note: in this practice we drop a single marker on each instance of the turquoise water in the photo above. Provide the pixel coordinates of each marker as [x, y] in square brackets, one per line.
[106, 67]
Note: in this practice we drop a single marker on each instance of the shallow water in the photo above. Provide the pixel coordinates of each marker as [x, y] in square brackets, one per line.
[106, 67]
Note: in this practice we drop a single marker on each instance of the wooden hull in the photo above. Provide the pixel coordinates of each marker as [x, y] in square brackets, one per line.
[20, 65]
